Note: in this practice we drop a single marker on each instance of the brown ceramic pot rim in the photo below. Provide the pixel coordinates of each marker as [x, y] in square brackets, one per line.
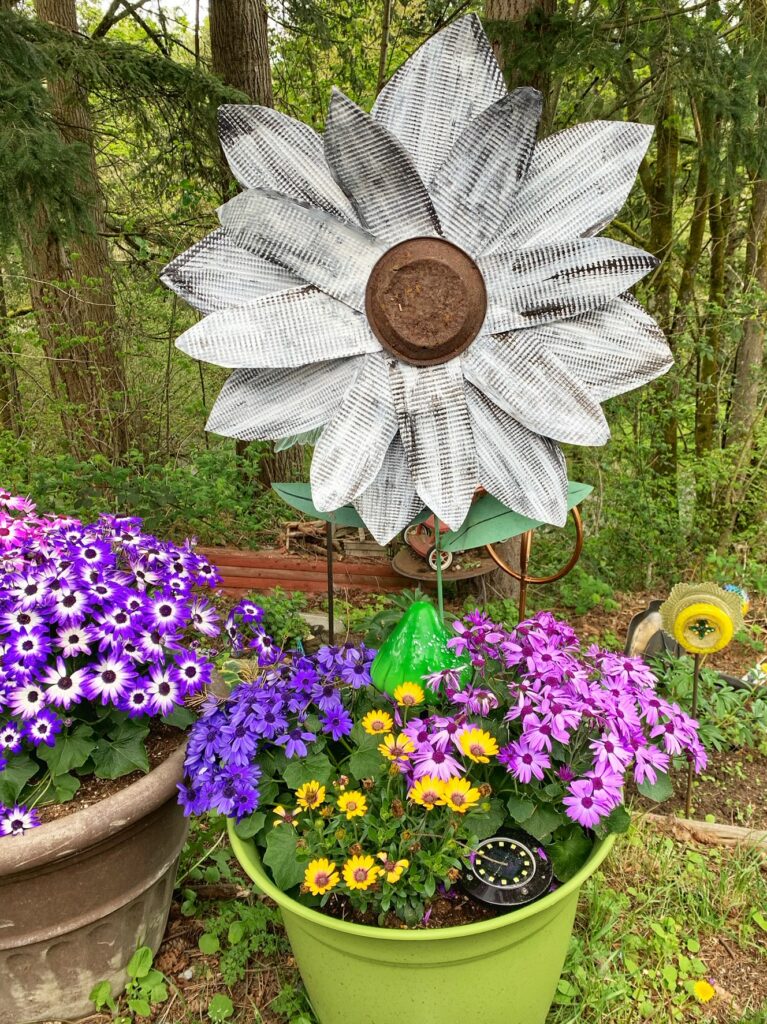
[68, 836]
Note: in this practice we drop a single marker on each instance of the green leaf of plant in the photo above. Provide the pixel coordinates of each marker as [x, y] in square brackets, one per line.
[71, 750]
[281, 858]
[543, 821]
[220, 1008]
[519, 808]
[236, 933]
[14, 777]
[140, 1006]
[365, 762]
[181, 717]
[485, 823]
[569, 855]
[101, 996]
[64, 787]
[657, 791]
[249, 826]
[208, 943]
[140, 963]
[489, 521]
[159, 993]
[304, 769]
[617, 821]
[758, 918]
[123, 752]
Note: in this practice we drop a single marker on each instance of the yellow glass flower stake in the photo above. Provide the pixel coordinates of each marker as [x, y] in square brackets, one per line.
[702, 618]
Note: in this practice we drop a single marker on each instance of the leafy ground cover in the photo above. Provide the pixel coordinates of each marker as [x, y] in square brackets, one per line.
[662, 928]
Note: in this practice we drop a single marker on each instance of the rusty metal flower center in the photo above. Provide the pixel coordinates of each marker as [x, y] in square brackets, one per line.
[425, 300]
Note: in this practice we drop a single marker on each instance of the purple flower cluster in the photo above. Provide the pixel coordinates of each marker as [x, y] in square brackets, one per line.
[583, 718]
[98, 613]
[294, 702]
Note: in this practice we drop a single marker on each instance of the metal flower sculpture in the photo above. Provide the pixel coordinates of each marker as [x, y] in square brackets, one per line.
[426, 284]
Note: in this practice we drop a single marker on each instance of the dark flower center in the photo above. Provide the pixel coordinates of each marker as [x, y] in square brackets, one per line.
[109, 676]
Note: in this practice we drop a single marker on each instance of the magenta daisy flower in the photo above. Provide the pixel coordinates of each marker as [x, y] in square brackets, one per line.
[435, 761]
[523, 761]
[583, 805]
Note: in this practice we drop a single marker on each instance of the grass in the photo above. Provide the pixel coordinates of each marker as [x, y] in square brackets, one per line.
[660, 916]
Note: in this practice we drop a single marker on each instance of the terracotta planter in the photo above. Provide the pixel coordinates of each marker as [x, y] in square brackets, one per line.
[78, 895]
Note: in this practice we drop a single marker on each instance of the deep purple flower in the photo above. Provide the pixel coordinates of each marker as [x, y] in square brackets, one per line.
[16, 820]
[27, 700]
[64, 686]
[337, 722]
[109, 678]
[295, 741]
[43, 728]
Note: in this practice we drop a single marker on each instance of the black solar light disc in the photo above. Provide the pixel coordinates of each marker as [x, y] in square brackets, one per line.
[508, 870]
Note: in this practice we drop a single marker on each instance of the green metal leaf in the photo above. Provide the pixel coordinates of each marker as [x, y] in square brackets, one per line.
[490, 522]
[299, 496]
[308, 437]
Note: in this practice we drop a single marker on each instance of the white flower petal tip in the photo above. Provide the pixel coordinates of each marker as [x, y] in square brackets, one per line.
[377, 175]
[390, 503]
[443, 86]
[268, 149]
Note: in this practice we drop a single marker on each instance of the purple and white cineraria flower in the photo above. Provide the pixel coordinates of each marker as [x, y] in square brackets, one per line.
[16, 820]
[91, 617]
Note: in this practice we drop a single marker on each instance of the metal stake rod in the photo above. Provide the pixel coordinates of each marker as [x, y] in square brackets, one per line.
[526, 542]
[694, 712]
[329, 557]
[438, 547]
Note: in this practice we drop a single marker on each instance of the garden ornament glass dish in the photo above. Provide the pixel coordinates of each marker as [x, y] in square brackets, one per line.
[428, 277]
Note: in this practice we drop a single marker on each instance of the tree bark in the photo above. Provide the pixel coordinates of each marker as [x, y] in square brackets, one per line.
[239, 44]
[11, 411]
[512, 24]
[71, 286]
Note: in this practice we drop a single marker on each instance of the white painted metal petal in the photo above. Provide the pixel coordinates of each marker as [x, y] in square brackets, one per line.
[377, 175]
[577, 182]
[215, 274]
[445, 84]
[267, 149]
[435, 428]
[523, 470]
[557, 281]
[484, 169]
[391, 501]
[352, 447]
[265, 404]
[334, 256]
[291, 328]
[611, 350]
[531, 384]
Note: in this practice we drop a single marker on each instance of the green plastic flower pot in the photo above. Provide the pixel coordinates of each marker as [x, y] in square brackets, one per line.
[500, 971]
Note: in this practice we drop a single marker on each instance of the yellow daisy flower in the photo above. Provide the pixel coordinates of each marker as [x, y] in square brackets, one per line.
[321, 876]
[310, 795]
[285, 817]
[361, 872]
[460, 796]
[353, 804]
[703, 991]
[477, 744]
[428, 792]
[376, 722]
[393, 868]
[397, 749]
[409, 694]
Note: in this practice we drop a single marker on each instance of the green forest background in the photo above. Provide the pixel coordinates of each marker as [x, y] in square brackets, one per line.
[110, 166]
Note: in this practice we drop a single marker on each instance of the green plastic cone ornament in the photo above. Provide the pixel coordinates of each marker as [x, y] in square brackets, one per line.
[416, 647]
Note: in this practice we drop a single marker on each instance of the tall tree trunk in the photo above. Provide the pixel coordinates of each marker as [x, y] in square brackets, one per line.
[239, 43]
[513, 24]
[71, 287]
[11, 411]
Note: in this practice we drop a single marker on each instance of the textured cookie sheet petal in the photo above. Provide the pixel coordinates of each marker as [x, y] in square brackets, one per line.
[435, 428]
[577, 182]
[611, 350]
[215, 273]
[353, 445]
[557, 281]
[267, 149]
[376, 173]
[521, 469]
[485, 168]
[289, 329]
[334, 256]
[258, 405]
[445, 84]
[391, 501]
[531, 384]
